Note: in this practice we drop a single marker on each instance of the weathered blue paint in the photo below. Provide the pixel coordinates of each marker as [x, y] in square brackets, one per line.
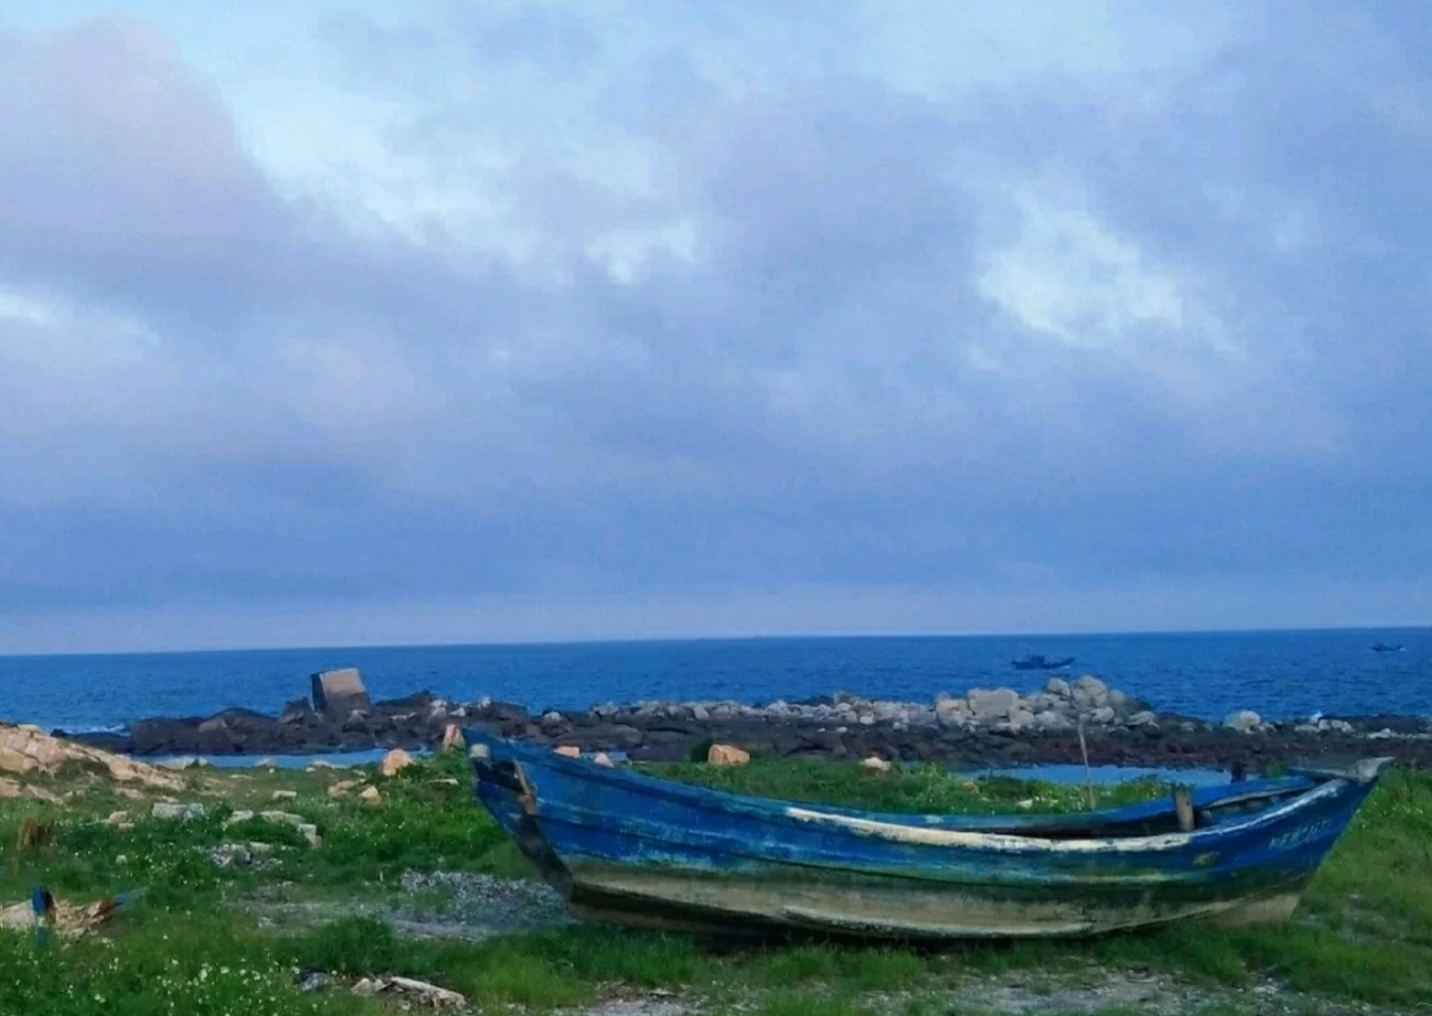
[629, 846]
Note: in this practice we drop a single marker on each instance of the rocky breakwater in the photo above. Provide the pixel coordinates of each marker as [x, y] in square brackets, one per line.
[1058, 723]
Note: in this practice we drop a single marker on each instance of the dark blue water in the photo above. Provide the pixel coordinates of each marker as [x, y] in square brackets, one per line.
[1279, 674]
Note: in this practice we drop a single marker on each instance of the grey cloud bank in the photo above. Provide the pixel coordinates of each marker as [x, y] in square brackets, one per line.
[671, 348]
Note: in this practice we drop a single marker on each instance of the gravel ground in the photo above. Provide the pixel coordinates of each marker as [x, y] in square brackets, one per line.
[436, 905]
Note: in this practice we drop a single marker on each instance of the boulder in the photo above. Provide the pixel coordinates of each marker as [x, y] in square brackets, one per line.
[395, 761]
[452, 738]
[875, 764]
[337, 693]
[1051, 719]
[1057, 686]
[1144, 718]
[989, 706]
[1103, 716]
[27, 749]
[727, 755]
[1245, 721]
[371, 795]
[951, 711]
[1020, 719]
[297, 711]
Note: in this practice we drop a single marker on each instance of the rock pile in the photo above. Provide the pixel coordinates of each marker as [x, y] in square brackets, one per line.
[1062, 705]
[994, 725]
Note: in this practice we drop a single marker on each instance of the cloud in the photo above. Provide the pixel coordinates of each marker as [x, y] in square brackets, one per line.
[714, 304]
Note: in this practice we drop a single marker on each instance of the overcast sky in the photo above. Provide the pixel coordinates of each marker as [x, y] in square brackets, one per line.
[357, 322]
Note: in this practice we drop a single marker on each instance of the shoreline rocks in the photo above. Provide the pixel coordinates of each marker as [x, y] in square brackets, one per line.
[998, 726]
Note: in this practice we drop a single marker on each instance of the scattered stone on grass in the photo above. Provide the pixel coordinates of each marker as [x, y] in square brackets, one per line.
[410, 989]
[308, 829]
[177, 811]
[727, 755]
[396, 761]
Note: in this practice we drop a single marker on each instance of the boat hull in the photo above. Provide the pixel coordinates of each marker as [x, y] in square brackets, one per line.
[637, 851]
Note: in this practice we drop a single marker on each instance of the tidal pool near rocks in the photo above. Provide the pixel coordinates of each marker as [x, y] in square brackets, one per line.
[336, 759]
[1104, 775]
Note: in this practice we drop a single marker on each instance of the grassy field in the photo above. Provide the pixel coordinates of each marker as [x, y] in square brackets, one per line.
[213, 936]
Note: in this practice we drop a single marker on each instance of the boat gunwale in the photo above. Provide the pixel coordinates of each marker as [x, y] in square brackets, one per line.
[933, 827]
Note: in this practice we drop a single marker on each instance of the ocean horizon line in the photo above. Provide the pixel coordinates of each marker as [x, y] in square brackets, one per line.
[793, 636]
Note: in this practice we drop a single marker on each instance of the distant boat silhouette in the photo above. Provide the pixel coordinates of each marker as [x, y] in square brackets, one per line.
[1383, 647]
[1038, 661]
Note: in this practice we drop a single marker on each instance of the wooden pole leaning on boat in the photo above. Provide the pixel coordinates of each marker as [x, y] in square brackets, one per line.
[1088, 776]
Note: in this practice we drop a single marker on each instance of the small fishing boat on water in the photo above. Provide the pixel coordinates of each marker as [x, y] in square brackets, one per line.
[1039, 661]
[632, 849]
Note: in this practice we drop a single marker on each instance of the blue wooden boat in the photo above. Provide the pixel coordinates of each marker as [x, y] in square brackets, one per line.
[633, 849]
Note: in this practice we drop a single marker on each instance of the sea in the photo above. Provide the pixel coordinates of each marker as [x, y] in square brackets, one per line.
[1279, 674]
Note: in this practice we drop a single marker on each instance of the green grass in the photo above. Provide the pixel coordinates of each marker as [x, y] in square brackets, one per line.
[1364, 933]
[906, 789]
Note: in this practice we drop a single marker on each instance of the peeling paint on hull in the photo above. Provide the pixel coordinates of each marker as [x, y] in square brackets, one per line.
[633, 850]
[691, 903]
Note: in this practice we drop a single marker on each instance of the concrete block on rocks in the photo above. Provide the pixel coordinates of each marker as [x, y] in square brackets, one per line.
[338, 692]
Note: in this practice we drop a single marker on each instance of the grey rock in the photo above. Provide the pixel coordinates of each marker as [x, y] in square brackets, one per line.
[1020, 719]
[1103, 716]
[229, 854]
[1145, 718]
[1052, 719]
[1088, 686]
[991, 705]
[1245, 721]
[170, 810]
[1046, 700]
[1057, 686]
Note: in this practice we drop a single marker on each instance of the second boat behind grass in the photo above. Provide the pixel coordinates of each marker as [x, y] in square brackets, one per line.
[632, 849]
